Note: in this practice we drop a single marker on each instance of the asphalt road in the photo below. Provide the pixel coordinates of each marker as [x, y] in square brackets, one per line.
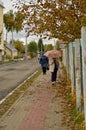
[14, 73]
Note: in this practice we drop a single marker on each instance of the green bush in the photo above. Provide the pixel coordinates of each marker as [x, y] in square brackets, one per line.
[17, 57]
[32, 54]
[8, 57]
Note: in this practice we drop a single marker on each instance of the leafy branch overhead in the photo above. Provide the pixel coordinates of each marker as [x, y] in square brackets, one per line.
[62, 18]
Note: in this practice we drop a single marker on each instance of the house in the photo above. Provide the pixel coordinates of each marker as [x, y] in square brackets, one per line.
[1, 31]
[10, 51]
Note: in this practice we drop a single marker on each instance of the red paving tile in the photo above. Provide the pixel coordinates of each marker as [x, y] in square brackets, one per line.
[34, 120]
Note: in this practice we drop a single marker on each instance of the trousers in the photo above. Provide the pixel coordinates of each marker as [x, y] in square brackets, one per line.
[54, 75]
[44, 70]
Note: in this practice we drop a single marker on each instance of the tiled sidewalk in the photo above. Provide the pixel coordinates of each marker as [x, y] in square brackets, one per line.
[35, 118]
[37, 109]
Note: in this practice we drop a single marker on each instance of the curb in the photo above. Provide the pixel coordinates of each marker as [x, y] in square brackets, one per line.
[18, 98]
[17, 88]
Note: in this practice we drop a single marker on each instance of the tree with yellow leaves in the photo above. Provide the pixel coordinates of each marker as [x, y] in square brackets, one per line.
[13, 21]
[56, 18]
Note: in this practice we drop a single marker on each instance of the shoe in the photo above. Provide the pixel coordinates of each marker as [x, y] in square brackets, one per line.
[53, 83]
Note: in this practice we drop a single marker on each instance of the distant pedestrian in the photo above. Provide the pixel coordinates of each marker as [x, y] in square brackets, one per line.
[53, 67]
[44, 62]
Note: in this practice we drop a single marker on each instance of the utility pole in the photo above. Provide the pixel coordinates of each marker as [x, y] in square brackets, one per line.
[54, 45]
[26, 47]
[12, 43]
[41, 48]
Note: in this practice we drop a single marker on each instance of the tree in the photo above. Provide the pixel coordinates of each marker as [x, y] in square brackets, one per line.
[57, 45]
[18, 21]
[40, 45]
[9, 22]
[32, 47]
[49, 47]
[13, 21]
[19, 46]
[62, 18]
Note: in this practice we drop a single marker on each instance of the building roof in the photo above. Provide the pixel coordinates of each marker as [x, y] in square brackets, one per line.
[1, 4]
[10, 46]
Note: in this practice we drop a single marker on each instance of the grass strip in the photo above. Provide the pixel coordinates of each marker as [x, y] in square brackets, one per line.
[4, 107]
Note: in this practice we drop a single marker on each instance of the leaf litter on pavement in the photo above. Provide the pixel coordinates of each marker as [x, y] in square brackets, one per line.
[72, 118]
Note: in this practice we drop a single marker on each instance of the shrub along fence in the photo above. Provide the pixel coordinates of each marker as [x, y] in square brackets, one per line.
[74, 58]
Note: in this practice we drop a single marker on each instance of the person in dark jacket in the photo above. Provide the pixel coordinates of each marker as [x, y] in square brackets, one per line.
[44, 62]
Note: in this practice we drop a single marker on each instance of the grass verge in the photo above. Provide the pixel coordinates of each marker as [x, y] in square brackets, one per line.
[72, 117]
[16, 94]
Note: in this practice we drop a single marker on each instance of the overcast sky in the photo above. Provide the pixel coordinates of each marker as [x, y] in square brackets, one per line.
[21, 35]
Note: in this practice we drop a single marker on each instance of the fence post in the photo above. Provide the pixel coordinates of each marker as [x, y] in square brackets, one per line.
[73, 52]
[71, 67]
[77, 71]
[81, 71]
[83, 36]
[64, 56]
[68, 60]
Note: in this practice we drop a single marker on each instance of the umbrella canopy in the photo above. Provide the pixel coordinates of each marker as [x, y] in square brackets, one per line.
[53, 53]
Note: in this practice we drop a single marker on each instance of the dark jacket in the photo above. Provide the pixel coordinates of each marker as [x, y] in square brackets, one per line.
[44, 61]
[56, 64]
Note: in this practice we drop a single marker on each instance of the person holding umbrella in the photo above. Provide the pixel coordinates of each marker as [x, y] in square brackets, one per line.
[53, 67]
[53, 63]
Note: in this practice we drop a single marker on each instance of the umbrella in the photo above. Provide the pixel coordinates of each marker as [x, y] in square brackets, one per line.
[53, 53]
